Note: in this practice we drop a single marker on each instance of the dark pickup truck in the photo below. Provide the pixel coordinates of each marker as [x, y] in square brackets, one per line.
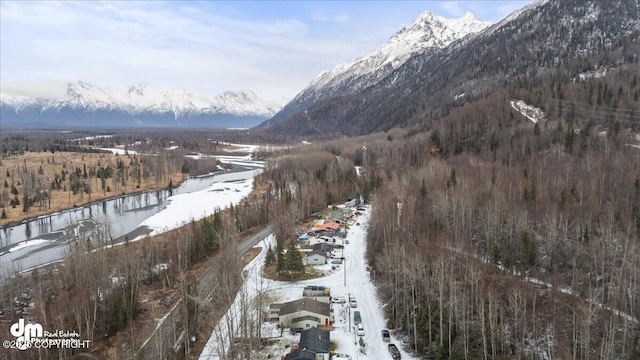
[386, 337]
[393, 350]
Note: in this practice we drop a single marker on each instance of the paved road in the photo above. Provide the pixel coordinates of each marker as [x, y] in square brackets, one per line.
[166, 342]
[205, 283]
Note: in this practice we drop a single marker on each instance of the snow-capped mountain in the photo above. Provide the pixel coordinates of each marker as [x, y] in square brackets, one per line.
[86, 104]
[549, 41]
[428, 32]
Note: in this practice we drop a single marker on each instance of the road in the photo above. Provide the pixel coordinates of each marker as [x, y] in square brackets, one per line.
[167, 339]
[205, 283]
[355, 281]
[360, 286]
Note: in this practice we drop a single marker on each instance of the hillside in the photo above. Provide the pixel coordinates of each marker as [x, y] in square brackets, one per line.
[556, 39]
[427, 34]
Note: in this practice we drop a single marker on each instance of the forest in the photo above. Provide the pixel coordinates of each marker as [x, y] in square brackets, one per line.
[492, 236]
[495, 237]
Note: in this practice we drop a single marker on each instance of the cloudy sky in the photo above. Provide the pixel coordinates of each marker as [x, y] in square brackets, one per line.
[272, 48]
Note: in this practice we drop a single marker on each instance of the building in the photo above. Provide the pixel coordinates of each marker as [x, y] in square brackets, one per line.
[328, 228]
[351, 203]
[316, 257]
[319, 293]
[314, 344]
[325, 247]
[302, 314]
[303, 237]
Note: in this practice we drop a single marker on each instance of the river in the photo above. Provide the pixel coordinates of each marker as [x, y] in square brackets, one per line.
[46, 239]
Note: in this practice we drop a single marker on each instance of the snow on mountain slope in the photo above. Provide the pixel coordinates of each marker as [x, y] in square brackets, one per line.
[145, 99]
[427, 33]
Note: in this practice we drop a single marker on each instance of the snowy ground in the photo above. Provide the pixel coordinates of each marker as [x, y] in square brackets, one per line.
[249, 149]
[119, 151]
[530, 112]
[184, 208]
[358, 284]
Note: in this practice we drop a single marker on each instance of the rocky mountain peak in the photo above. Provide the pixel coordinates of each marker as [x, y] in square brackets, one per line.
[428, 32]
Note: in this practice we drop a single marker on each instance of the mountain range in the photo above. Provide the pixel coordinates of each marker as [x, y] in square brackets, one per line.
[555, 39]
[84, 103]
[427, 34]
[422, 73]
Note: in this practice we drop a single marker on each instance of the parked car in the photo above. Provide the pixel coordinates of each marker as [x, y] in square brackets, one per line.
[386, 337]
[336, 261]
[393, 350]
[352, 302]
[341, 357]
[360, 330]
[346, 241]
[357, 319]
[338, 300]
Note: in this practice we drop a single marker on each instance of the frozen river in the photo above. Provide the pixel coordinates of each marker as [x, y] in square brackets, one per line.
[46, 239]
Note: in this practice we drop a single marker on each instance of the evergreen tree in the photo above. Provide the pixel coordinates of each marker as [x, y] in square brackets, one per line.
[423, 189]
[496, 254]
[530, 194]
[293, 259]
[185, 168]
[569, 139]
[269, 257]
[527, 252]
[452, 179]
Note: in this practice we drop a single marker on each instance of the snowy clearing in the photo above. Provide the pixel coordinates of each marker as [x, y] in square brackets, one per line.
[119, 151]
[530, 112]
[249, 149]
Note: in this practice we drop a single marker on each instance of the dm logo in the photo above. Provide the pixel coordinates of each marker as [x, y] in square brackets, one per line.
[24, 333]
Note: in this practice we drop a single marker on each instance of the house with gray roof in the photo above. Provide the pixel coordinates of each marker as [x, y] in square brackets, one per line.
[302, 314]
[314, 343]
[316, 257]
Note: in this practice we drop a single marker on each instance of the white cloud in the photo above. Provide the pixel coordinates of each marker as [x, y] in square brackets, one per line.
[120, 43]
[205, 47]
[339, 17]
[43, 90]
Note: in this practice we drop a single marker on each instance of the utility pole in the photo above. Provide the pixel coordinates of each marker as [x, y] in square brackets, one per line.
[349, 307]
[344, 260]
[364, 154]
[344, 267]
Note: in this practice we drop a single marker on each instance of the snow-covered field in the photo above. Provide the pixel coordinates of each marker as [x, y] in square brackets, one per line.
[249, 149]
[119, 151]
[530, 112]
[358, 284]
[195, 205]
